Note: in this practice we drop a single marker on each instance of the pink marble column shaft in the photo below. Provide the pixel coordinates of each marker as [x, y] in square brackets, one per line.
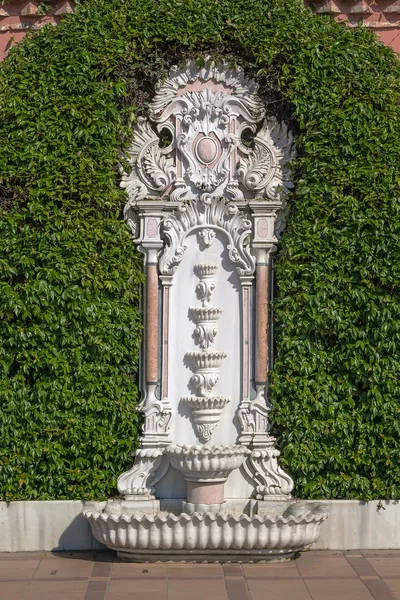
[261, 367]
[246, 324]
[205, 493]
[152, 324]
[165, 341]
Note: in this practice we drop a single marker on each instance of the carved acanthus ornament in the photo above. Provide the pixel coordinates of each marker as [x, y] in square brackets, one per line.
[150, 466]
[262, 467]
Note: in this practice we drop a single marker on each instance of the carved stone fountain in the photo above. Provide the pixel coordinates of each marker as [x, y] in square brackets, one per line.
[206, 211]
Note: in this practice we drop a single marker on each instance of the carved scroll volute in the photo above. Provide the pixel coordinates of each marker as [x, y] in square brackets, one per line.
[204, 215]
[149, 467]
[262, 468]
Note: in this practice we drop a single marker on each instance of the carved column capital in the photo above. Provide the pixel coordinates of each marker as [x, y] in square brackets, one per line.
[265, 214]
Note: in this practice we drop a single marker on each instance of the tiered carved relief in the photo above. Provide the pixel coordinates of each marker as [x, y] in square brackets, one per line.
[374, 14]
[206, 408]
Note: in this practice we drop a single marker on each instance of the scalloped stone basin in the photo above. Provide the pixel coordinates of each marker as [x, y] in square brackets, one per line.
[206, 463]
[207, 314]
[220, 536]
[206, 360]
[206, 412]
[203, 270]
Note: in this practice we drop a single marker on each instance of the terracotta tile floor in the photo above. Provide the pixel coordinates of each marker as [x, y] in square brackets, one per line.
[355, 575]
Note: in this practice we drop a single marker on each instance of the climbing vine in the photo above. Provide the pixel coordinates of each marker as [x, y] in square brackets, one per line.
[70, 277]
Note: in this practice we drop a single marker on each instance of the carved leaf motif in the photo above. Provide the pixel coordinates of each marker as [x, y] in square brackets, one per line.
[256, 168]
[207, 236]
[204, 291]
[205, 382]
[151, 170]
[206, 335]
[158, 168]
[149, 467]
[265, 168]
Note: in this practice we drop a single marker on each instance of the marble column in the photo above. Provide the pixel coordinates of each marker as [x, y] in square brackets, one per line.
[262, 309]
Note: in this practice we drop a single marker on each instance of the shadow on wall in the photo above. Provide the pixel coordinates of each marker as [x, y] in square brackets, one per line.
[31, 526]
[78, 536]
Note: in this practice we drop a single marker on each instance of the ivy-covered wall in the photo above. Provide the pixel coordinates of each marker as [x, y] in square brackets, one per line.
[70, 321]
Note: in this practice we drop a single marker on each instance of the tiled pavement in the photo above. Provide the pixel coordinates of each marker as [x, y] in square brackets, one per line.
[356, 575]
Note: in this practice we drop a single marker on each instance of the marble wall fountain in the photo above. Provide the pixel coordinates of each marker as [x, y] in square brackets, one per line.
[206, 210]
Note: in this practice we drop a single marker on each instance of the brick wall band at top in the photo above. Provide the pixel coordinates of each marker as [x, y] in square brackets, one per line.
[383, 16]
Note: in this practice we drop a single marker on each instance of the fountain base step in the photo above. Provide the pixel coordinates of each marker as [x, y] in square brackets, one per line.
[204, 556]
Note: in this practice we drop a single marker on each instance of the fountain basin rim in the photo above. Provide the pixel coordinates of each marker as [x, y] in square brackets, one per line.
[95, 510]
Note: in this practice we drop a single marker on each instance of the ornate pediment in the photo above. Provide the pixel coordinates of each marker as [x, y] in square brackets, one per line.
[205, 115]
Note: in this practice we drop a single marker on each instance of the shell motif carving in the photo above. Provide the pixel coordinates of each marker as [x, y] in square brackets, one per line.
[207, 213]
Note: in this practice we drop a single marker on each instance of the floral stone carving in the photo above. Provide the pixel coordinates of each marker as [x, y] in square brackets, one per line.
[206, 112]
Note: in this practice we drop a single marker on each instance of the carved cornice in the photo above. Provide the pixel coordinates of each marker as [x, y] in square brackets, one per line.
[25, 15]
[374, 14]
